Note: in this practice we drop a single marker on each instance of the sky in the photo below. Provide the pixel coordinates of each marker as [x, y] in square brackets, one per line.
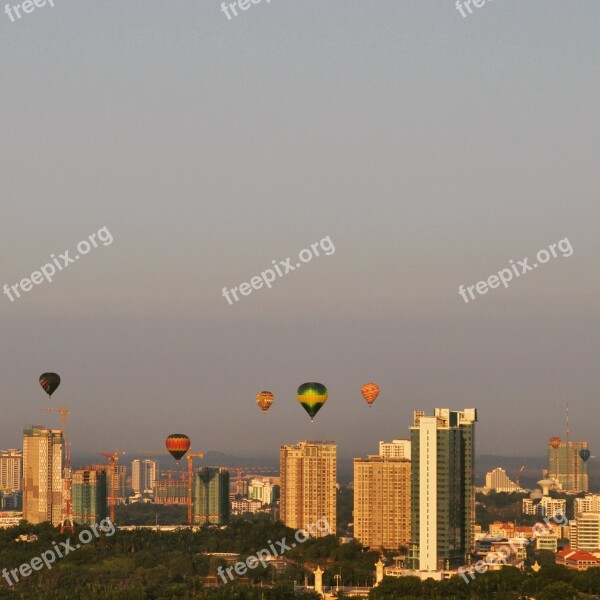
[430, 148]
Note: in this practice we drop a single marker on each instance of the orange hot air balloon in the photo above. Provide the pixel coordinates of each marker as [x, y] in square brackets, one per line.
[178, 444]
[370, 391]
[264, 400]
[555, 442]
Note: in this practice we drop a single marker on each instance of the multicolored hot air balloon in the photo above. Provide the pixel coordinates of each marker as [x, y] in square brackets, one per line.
[49, 382]
[584, 454]
[312, 396]
[178, 444]
[264, 399]
[370, 391]
[555, 442]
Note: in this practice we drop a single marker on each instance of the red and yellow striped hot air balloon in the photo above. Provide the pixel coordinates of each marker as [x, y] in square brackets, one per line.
[264, 400]
[178, 444]
[370, 391]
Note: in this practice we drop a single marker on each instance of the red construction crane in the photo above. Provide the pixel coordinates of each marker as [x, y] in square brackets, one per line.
[113, 459]
[67, 516]
[518, 479]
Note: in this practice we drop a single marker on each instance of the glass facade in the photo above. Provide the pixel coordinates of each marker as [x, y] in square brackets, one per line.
[445, 469]
[211, 496]
[89, 496]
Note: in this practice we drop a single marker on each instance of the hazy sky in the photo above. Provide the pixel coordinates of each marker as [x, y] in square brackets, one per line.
[432, 149]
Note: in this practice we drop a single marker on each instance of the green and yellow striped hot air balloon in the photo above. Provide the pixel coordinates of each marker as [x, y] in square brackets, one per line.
[312, 396]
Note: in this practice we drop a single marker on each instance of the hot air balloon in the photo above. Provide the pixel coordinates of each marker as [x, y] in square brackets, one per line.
[49, 382]
[585, 454]
[312, 396]
[555, 442]
[264, 400]
[370, 391]
[178, 444]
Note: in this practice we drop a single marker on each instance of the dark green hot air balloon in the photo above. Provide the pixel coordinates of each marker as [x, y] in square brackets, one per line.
[585, 454]
[312, 396]
[49, 382]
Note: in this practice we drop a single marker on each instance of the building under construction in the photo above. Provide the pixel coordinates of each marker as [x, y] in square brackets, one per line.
[89, 496]
[566, 466]
[170, 491]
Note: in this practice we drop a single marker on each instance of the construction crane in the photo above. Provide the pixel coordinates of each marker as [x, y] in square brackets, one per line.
[67, 516]
[190, 459]
[113, 459]
[518, 478]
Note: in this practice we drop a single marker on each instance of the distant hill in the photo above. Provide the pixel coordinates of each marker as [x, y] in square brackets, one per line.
[483, 463]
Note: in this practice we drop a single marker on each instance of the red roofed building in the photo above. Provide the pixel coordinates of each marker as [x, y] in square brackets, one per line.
[578, 560]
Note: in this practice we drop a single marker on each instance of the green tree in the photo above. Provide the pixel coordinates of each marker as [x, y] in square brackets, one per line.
[558, 591]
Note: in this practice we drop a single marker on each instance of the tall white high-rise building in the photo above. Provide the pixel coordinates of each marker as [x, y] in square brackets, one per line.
[42, 475]
[442, 490]
[11, 470]
[143, 475]
[395, 449]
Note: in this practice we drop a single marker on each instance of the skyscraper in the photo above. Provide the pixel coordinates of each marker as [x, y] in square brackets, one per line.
[308, 484]
[42, 475]
[566, 466]
[442, 489]
[11, 470]
[143, 475]
[382, 501]
[89, 496]
[211, 496]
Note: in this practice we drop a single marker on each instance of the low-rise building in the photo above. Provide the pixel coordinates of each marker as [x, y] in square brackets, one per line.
[246, 505]
[578, 560]
[10, 519]
[547, 540]
[503, 530]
